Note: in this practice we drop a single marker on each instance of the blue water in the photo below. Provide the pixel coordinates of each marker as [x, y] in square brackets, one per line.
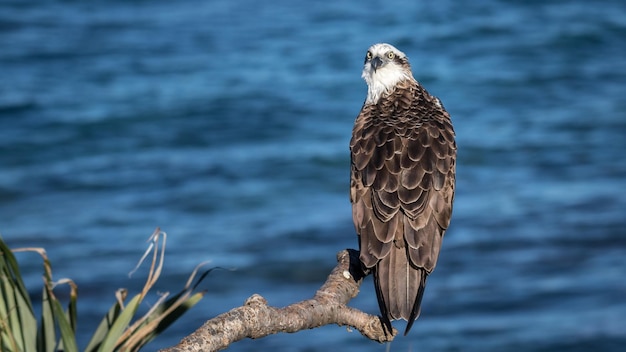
[226, 123]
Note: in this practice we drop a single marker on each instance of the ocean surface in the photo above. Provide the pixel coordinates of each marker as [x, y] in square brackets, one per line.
[226, 124]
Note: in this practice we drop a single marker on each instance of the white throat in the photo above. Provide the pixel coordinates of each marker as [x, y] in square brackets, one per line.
[383, 80]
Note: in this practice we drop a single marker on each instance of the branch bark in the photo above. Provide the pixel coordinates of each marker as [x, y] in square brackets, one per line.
[256, 319]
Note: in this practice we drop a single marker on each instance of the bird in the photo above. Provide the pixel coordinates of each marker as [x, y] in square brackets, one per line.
[402, 181]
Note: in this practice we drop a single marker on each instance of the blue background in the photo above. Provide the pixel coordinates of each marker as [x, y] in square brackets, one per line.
[227, 123]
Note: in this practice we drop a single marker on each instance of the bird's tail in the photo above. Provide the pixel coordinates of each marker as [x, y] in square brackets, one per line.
[399, 288]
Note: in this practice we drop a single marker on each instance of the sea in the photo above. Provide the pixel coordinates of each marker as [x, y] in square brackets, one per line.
[226, 124]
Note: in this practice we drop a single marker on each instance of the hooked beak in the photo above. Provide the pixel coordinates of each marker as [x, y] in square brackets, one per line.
[376, 63]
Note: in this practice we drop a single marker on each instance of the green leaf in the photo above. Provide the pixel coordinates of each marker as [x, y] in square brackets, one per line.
[8, 335]
[170, 318]
[67, 333]
[19, 325]
[104, 327]
[13, 271]
[17, 314]
[120, 324]
[46, 334]
[72, 313]
[10, 314]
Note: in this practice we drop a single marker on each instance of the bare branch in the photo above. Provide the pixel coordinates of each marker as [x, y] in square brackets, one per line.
[256, 319]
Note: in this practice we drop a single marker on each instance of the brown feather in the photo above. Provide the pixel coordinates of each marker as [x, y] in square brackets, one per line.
[393, 164]
[410, 178]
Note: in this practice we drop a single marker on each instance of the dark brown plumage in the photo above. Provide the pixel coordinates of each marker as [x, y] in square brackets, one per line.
[402, 183]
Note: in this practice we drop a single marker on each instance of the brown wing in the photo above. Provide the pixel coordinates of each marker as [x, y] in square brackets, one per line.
[402, 187]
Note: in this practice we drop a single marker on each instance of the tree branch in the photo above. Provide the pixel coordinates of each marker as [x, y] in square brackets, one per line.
[256, 319]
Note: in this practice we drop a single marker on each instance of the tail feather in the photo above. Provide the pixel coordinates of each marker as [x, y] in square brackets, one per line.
[417, 305]
[399, 288]
[384, 312]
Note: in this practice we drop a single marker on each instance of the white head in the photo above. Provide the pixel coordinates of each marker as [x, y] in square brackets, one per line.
[384, 67]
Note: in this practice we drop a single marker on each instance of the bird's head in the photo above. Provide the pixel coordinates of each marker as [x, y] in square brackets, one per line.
[384, 67]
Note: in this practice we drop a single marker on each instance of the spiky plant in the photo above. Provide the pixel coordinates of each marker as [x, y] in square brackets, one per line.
[55, 329]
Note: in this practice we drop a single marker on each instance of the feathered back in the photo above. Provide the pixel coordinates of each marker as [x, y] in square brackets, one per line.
[403, 156]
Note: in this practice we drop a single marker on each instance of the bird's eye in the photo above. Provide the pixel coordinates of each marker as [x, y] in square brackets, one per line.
[368, 55]
[391, 55]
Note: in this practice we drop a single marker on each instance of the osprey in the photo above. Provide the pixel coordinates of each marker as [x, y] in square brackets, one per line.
[402, 178]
